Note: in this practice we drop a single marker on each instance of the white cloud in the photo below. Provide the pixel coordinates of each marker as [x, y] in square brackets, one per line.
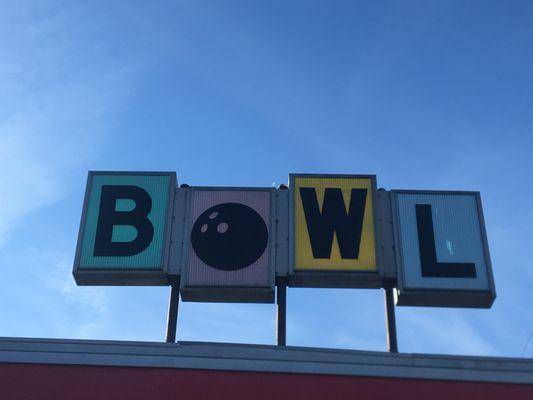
[58, 278]
[58, 89]
[448, 332]
[242, 323]
[88, 330]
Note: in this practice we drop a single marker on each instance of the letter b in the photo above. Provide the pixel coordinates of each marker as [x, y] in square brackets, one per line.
[109, 217]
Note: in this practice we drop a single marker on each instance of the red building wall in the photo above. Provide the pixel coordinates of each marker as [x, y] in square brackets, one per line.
[58, 382]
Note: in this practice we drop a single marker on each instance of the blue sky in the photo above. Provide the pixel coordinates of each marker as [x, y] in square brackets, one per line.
[426, 95]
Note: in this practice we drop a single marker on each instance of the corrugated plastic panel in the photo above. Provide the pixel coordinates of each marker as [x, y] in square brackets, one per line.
[458, 239]
[240, 227]
[157, 186]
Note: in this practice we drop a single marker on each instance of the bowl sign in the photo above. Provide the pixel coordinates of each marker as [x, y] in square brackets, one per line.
[228, 257]
[230, 244]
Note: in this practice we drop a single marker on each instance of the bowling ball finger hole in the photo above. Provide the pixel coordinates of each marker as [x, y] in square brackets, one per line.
[213, 215]
[222, 227]
[204, 228]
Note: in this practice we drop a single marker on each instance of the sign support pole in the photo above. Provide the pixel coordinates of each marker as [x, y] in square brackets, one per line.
[172, 320]
[281, 301]
[390, 316]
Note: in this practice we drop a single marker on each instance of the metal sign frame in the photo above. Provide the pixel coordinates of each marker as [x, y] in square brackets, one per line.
[427, 297]
[281, 246]
[333, 278]
[230, 294]
[125, 276]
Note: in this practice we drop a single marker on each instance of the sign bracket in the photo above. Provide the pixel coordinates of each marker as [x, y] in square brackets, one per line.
[390, 317]
[173, 305]
[281, 304]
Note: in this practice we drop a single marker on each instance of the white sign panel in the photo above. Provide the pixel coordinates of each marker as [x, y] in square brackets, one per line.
[229, 246]
[441, 248]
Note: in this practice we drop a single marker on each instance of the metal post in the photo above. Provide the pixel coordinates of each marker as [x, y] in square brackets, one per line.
[392, 340]
[281, 301]
[172, 320]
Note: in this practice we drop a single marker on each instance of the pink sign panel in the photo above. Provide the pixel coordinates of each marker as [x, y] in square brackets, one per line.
[229, 239]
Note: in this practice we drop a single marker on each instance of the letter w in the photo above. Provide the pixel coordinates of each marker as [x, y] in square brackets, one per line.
[334, 219]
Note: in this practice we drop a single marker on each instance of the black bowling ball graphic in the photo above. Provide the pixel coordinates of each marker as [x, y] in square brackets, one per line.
[229, 236]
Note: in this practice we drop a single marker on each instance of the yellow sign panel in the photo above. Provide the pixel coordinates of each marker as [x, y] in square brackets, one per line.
[334, 223]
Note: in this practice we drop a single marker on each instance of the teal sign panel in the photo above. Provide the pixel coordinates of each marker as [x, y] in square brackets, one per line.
[125, 228]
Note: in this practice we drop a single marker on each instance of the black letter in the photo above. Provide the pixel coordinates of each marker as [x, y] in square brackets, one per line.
[322, 226]
[137, 218]
[428, 254]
